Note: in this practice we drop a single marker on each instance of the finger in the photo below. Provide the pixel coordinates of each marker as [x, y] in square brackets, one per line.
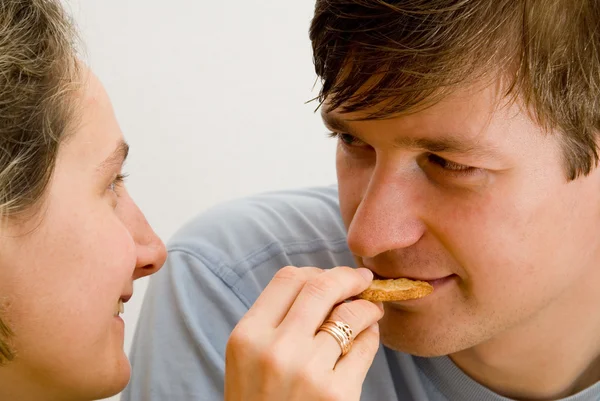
[359, 315]
[320, 294]
[276, 299]
[353, 367]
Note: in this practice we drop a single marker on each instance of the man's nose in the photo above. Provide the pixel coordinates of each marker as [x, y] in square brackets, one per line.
[387, 217]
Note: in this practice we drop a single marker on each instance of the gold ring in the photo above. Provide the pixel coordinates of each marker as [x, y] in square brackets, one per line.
[341, 332]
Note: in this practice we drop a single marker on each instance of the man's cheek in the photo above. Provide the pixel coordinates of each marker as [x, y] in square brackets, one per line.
[348, 203]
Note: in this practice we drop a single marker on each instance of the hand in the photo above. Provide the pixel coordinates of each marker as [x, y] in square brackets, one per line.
[275, 352]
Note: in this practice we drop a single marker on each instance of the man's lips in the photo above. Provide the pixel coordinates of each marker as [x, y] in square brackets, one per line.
[431, 280]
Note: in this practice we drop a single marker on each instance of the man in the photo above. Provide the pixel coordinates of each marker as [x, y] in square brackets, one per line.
[467, 158]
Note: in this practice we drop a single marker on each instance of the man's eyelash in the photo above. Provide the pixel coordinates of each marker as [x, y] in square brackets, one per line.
[347, 139]
[452, 168]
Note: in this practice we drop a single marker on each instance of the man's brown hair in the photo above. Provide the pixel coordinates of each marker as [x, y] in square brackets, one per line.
[399, 56]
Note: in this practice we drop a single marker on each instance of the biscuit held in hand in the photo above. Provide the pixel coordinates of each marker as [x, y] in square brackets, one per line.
[400, 289]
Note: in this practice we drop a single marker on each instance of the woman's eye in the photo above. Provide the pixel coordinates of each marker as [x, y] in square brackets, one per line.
[118, 181]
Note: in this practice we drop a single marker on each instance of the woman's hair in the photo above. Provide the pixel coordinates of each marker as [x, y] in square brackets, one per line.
[399, 56]
[38, 70]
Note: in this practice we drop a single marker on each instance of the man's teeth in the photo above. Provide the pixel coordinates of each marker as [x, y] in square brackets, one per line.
[120, 308]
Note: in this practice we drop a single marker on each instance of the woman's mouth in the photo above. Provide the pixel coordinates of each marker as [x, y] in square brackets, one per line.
[120, 308]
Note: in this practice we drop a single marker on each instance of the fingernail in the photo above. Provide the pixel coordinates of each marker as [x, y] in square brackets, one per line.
[366, 273]
[379, 305]
[374, 328]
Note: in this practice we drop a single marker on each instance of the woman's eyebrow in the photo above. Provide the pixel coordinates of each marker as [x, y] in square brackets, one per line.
[117, 157]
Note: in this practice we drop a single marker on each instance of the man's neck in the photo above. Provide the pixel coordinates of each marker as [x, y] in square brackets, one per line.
[554, 355]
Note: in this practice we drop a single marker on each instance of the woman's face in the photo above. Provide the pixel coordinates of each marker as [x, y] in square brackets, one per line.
[62, 274]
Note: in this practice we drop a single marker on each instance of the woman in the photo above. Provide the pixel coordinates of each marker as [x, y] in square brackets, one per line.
[72, 239]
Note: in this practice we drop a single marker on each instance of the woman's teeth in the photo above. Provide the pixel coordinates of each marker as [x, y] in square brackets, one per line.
[120, 308]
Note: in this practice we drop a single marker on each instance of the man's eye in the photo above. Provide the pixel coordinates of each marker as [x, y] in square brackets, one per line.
[347, 139]
[449, 166]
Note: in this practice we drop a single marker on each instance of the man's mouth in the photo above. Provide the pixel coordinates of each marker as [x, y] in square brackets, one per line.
[433, 281]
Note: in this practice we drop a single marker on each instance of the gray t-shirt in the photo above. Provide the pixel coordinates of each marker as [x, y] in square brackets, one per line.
[220, 262]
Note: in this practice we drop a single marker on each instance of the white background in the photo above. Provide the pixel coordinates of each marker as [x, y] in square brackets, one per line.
[211, 97]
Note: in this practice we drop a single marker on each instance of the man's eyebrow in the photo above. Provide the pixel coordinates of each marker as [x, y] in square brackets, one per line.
[117, 157]
[441, 145]
[335, 123]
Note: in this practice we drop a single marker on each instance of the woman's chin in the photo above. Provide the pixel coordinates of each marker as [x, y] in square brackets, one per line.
[122, 375]
[113, 380]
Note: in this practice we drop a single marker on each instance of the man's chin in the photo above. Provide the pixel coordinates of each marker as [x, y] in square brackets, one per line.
[413, 349]
[422, 341]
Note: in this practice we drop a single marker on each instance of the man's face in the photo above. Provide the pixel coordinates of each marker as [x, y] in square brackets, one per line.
[470, 195]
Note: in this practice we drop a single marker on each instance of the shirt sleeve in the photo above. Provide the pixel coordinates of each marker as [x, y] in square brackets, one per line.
[185, 322]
